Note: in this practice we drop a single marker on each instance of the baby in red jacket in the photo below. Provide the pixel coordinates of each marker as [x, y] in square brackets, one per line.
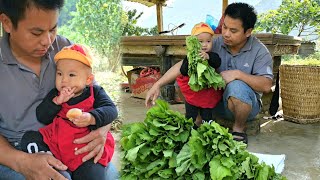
[74, 89]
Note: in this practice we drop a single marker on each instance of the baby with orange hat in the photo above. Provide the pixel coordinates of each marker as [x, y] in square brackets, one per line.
[201, 102]
[71, 110]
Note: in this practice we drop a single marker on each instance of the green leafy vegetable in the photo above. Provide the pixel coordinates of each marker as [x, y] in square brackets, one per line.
[150, 149]
[219, 157]
[201, 74]
[165, 146]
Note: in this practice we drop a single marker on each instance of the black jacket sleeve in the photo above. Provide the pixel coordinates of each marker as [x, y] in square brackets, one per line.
[214, 60]
[184, 67]
[104, 110]
[47, 109]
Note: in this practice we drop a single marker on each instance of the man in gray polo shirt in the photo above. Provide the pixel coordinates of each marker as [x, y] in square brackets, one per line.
[246, 67]
[27, 74]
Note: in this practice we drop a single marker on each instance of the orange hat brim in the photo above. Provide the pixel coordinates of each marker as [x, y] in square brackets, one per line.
[74, 55]
[201, 28]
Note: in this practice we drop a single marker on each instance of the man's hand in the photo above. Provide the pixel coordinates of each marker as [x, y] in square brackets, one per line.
[84, 120]
[168, 77]
[152, 95]
[96, 140]
[65, 94]
[40, 166]
[230, 75]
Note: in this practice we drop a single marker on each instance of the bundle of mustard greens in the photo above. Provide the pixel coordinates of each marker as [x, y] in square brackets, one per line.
[201, 74]
[165, 146]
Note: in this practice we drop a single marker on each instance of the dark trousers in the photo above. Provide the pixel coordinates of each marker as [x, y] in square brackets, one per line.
[193, 111]
[32, 142]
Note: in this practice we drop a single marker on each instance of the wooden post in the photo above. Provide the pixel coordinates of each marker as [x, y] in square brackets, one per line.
[1, 30]
[272, 101]
[168, 91]
[224, 5]
[159, 17]
[276, 65]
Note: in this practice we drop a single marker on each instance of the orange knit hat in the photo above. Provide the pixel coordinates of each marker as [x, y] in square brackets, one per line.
[75, 52]
[201, 28]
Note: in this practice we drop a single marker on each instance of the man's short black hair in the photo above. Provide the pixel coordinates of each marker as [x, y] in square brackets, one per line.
[15, 9]
[244, 12]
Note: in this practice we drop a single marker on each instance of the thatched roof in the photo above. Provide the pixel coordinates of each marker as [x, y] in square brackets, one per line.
[150, 3]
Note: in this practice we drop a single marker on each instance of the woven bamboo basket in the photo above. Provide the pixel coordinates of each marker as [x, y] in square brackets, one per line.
[300, 93]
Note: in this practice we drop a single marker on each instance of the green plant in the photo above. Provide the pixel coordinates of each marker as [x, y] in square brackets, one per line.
[130, 25]
[98, 25]
[301, 15]
[66, 12]
[165, 147]
[201, 74]
[313, 59]
[73, 36]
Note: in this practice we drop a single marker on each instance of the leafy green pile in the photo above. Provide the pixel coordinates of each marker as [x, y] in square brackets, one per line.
[149, 149]
[163, 148]
[201, 74]
[211, 153]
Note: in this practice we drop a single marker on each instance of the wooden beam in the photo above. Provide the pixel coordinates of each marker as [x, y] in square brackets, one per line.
[224, 5]
[1, 30]
[159, 17]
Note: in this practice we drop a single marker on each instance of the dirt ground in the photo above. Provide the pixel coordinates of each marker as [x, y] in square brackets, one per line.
[300, 143]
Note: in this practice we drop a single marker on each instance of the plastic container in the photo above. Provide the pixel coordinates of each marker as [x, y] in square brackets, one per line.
[212, 22]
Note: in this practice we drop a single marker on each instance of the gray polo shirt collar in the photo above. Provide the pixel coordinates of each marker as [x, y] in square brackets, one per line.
[245, 48]
[6, 54]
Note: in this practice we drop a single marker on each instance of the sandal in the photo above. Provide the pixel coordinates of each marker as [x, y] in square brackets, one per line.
[242, 137]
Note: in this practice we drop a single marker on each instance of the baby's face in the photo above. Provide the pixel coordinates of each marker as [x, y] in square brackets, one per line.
[73, 74]
[206, 41]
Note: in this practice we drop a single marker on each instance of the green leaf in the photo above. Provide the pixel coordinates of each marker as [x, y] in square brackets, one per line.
[132, 153]
[184, 154]
[217, 170]
[198, 176]
[182, 169]
[263, 173]
[227, 162]
[167, 153]
[166, 173]
[155, 166]
[246, 167]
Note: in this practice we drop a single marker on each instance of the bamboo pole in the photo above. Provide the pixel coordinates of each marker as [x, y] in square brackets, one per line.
[159, 17]
[1, 30]
[224, 5]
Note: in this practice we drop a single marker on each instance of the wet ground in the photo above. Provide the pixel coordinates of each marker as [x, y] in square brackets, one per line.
[299, 142]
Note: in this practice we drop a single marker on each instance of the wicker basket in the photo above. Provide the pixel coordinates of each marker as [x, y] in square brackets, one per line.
[300, 93]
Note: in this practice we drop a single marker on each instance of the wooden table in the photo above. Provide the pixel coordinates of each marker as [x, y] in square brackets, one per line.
[165, 51]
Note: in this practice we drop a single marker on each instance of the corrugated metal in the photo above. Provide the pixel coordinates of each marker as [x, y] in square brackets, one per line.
[149, 3]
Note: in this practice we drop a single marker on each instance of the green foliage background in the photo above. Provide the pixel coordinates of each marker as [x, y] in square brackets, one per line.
[312, 60]
[96, 24]
[131, 29]
[66, 11]
[100, 24]
[300, 15]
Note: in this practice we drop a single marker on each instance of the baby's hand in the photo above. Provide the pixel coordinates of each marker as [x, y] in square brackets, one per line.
[84, 120]
[65, 94]
[204, 55]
